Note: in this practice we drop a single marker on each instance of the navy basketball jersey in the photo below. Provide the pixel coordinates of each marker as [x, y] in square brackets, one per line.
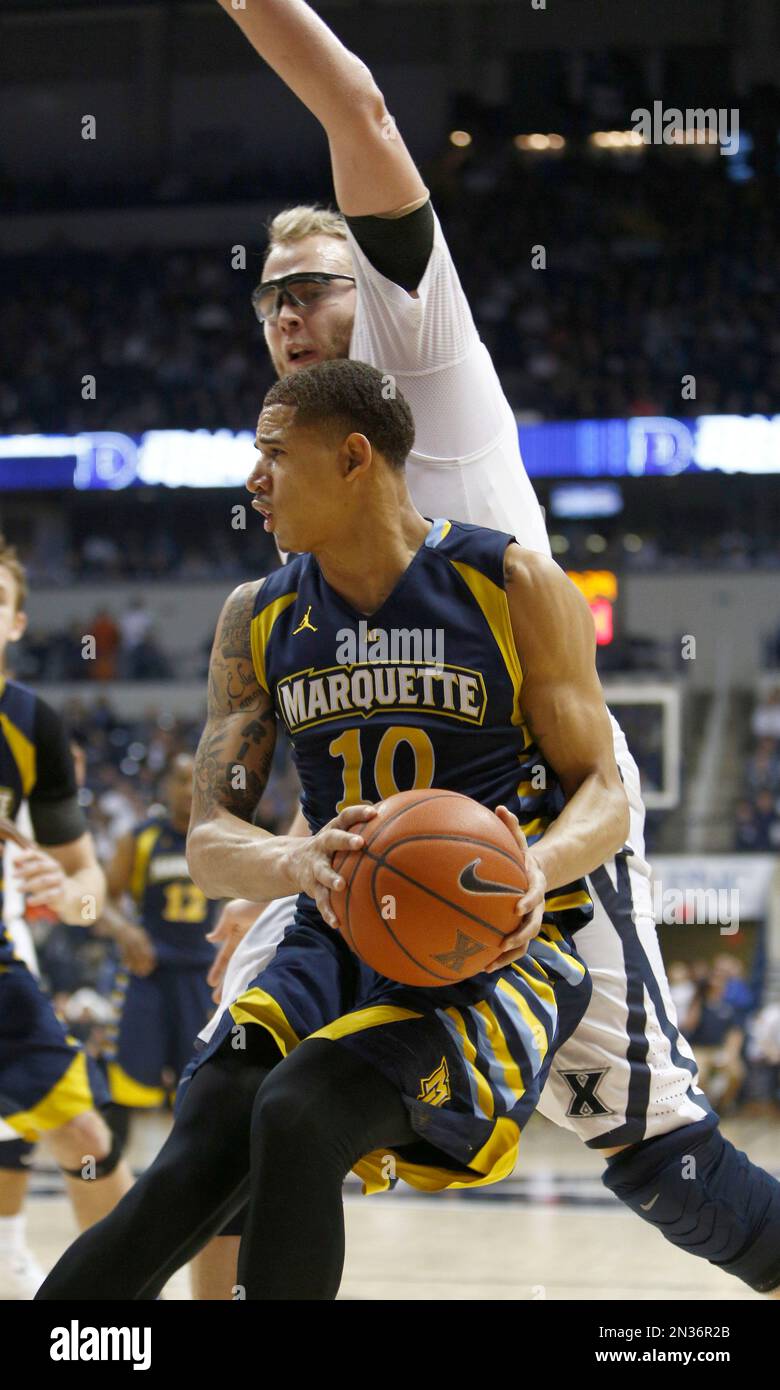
[423, 693]
[36, 766]
[170, 906]
[17, 762]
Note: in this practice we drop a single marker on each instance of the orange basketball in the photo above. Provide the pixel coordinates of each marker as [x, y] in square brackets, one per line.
[431, 897]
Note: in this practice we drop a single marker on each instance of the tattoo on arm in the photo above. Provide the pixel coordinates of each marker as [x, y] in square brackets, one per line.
[234, 755]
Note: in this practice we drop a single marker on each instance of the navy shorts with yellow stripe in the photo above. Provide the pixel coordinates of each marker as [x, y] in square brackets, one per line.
[160, 1016]
[468, 1059]
[46, 1078]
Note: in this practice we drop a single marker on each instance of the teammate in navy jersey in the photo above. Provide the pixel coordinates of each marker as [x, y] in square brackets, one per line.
[49, 1088]
[161, 988]
[325, 1063]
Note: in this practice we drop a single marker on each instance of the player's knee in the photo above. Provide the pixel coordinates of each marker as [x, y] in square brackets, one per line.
[290, 1115]
[85, 1142]
[705, 1197]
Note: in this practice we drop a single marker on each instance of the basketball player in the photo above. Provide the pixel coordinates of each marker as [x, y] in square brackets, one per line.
[328, 1064]
[387, 293]
[162, 985]
[49, 1089]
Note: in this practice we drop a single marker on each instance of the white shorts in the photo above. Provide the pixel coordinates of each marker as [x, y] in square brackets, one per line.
[626, 1073]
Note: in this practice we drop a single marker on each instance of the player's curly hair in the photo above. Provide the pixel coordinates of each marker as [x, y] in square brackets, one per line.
[11, 561]
[349, 396]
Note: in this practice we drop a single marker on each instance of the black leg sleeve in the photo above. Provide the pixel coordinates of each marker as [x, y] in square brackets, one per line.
[317, 1113]
[196, 1182]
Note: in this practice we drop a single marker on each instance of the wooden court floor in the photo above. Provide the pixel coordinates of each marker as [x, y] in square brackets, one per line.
[550, 1232]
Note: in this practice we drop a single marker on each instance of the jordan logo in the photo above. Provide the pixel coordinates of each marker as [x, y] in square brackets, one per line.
[435, 1089]
[305, 626]
[464, 947]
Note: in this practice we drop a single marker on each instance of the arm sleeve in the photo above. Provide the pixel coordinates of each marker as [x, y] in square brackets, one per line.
[398, 247]
[56, 816]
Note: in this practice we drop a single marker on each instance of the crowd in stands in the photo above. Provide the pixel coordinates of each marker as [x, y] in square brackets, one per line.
[758, 810]
[736, 1042]
[654, 271]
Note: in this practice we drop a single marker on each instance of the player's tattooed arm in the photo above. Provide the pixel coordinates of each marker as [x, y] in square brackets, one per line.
[562, 705]
[233, 761]
[234, 755]
[228, 857]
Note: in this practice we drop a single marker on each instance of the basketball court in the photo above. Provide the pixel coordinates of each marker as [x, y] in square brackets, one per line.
[550, 1232]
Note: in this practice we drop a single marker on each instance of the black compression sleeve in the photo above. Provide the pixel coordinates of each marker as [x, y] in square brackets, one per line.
[56, 815]
[398, 247]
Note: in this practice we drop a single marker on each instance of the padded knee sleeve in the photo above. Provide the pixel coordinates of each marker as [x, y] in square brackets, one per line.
[705, 1197]
[103, 1166]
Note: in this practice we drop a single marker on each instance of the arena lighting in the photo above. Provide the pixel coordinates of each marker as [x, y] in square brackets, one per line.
[538, 142]
[616, 139]
[596, 543]
[460, 138]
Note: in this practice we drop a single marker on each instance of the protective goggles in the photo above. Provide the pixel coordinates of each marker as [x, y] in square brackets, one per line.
[302, 291]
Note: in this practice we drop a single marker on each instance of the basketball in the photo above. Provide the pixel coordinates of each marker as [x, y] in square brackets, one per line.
[430, 899]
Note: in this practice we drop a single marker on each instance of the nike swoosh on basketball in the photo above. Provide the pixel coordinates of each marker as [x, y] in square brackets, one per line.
[648, 1206]
[471, 883]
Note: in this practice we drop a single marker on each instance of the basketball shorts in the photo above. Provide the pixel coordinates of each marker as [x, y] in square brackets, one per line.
[159, 1017]
[46, 1078]
[626, 1073]
[469, 1059]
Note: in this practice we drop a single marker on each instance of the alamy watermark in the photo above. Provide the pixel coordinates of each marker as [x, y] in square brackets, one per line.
[670, 125]
[697, 907]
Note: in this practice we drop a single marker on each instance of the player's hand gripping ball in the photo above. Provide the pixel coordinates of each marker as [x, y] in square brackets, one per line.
[433, 895]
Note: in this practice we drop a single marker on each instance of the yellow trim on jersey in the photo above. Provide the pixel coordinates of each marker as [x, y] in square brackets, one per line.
[536, 826]
[535, 1024]
[493, 602]
[494, 1161]
[540, 988]
[258, 1007]
[125, 1090]
[142, 853]
[528, 789]
[363, 1018]
[484, 1093]
[565, 900]
[260, 631]
[68, 1097]
[497, 1043]
[22, 752]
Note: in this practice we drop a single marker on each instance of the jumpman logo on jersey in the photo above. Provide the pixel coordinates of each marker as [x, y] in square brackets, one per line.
[305, 626]
[435, 1089]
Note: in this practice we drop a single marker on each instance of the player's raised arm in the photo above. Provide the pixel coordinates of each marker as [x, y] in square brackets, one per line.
[373, 172]
[228, 857]
[563, 705]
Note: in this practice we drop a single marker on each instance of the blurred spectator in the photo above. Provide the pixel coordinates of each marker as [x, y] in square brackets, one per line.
[766, 719]
[763, 1051]
[714, 1028]
[107, 641]
[681, 987]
